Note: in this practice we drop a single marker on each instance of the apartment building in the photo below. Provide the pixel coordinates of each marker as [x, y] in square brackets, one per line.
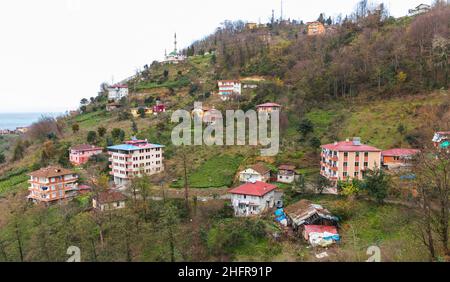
[135, 158]
[229, 87]
[348, 160]
[117, 92]
[52, 184]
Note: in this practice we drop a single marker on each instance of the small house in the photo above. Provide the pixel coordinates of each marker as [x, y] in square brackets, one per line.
[397, 158]
[258, 172]
[136, 114]
[113, 106]
[80, 154]
[253, 198]
[441, 139]
[305, 212]
[315, 28]
[109, 200]
[268, 108]
[159, 108]
[286, 174]
[227, 88]
[420, 9]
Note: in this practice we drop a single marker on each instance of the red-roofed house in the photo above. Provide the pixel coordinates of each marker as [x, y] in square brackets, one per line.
[268, 107]
[348, 160]
[80, 154]
[395, 158]
[252, 198]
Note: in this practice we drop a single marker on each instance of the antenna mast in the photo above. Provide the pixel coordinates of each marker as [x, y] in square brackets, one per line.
[281, 16]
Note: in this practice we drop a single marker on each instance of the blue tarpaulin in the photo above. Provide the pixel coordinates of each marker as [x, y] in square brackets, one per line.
[279, 212]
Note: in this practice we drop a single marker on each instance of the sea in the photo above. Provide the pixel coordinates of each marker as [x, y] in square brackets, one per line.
[13, 120]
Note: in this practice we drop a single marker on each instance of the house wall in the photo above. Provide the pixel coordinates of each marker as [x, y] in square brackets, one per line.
[79, 158]
[250, 174]
[242, 207]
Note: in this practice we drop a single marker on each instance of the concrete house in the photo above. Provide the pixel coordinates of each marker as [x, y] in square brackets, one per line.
[117, 92]
[252, 198]
[109, 200]
[258, 172]
[398, 158]
[228, 88]
[80, 154]
[286, 174]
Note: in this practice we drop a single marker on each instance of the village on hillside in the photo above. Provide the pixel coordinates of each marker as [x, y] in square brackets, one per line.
[113, 160]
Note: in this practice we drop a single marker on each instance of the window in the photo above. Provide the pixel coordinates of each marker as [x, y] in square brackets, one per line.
[366, 164]
[345, 174]
[366, 154]
[345, 164]
[356, 174]
[357, 164]
[357, 154]
[346, 154]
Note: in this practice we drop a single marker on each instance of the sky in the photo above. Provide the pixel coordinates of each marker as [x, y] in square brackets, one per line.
[53, 53]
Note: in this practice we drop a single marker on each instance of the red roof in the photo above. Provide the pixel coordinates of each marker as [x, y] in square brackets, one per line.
[119, 86]
[443, 132]
[254, 189]
[319, 229]
[267, 105]
[400, 152]
[349, 146]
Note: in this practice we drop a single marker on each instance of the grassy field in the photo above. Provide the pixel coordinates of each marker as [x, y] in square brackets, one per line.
[13, 180]
[216, 172]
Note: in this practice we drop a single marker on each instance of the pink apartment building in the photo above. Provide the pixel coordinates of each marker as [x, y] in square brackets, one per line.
[80, 154]
[348, 160]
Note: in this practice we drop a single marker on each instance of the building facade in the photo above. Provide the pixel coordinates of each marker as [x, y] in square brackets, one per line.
[258, 172]
[398, 158]
[52, 184]
[315, 28]
[228, 88]
[109, 200]
[135, 158]
[286, 174]
[348, 160]
[441, 139]
[268, 108]
[117, 92]
[252, 198]
[80, 154]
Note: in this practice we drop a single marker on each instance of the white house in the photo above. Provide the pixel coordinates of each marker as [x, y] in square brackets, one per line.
[422, 8]
[109, 200]
[252, 198]
[117, 92]
[286, 174]
[257, 172]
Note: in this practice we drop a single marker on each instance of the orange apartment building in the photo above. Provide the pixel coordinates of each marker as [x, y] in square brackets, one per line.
[315, 28]
[52, 184]
[348, 160]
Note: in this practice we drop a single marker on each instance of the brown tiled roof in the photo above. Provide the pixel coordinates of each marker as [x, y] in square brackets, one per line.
[51, 171]
[286, 167]
[85, 147]
[110, 197]
[261, 168]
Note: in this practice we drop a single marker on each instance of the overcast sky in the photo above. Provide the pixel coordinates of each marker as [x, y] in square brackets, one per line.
[55, 52]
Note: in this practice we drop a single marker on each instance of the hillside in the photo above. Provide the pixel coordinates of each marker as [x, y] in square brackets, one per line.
[379, 78]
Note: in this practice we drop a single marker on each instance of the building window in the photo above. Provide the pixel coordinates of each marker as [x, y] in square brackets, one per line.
[357, 154]
[345, 164]
[356, 174]
[357, 164]
[346, 154]
[345, 174]
[366, 164]
[366, 154]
